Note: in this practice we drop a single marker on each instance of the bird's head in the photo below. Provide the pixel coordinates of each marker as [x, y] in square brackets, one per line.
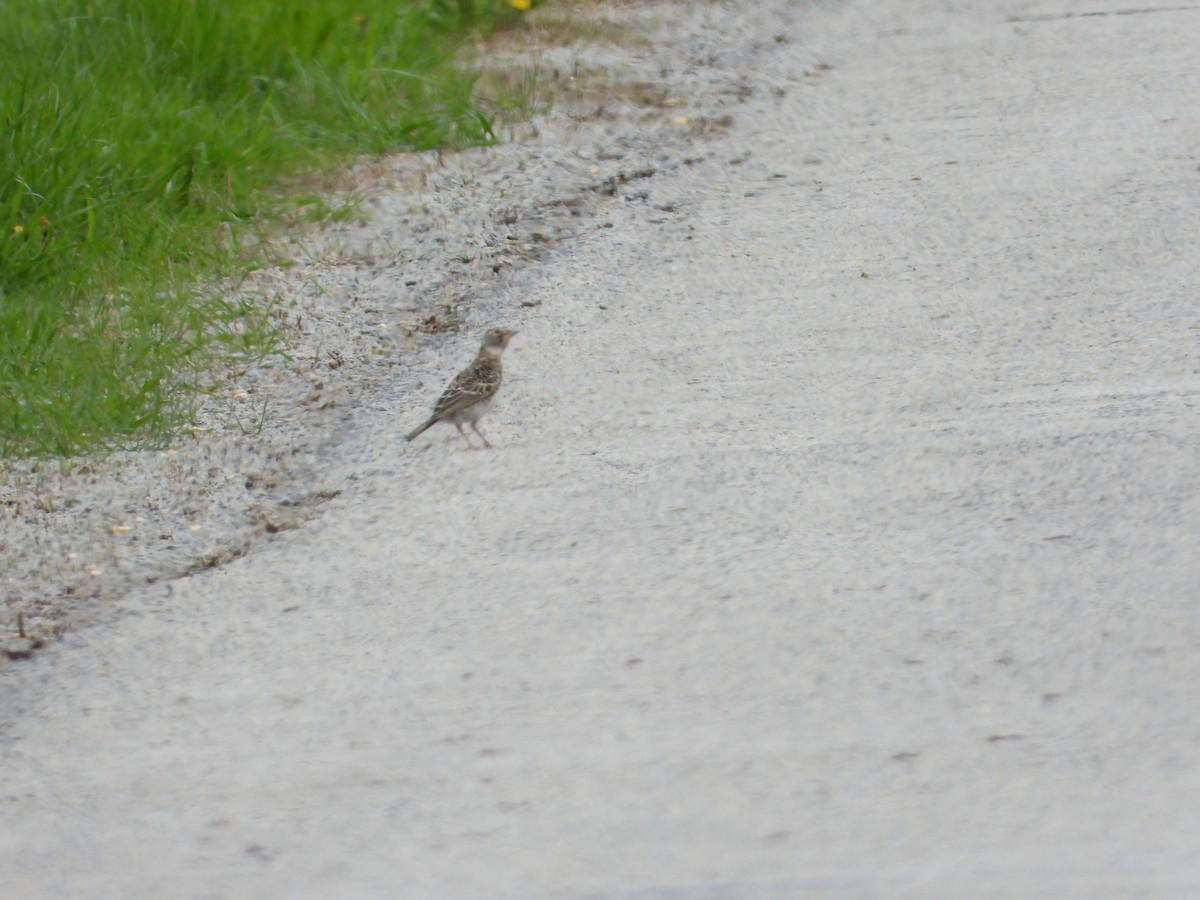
[497, 339]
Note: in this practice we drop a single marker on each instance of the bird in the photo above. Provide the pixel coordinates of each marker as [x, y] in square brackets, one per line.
[471, 392]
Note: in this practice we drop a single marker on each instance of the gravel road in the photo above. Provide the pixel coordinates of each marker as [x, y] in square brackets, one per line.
[840, 538]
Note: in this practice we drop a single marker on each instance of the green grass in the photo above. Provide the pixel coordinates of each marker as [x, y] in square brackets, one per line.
[137, 137]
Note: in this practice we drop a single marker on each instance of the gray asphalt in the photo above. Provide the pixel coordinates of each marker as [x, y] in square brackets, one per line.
[840, 539]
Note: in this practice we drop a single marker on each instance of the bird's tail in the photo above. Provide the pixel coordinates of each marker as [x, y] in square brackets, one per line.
[420, 429]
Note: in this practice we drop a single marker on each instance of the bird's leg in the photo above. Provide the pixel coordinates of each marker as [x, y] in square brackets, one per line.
[470, 446]
[475, 428]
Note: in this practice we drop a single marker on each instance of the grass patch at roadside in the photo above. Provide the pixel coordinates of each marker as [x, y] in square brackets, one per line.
[144, 148]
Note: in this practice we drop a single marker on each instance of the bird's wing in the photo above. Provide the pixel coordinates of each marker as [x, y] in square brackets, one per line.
[477, 382]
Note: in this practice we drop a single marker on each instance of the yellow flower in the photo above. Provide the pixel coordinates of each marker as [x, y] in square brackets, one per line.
[522, 5]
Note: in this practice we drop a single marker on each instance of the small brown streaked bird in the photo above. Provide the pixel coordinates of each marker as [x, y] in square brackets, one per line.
[471, 392]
